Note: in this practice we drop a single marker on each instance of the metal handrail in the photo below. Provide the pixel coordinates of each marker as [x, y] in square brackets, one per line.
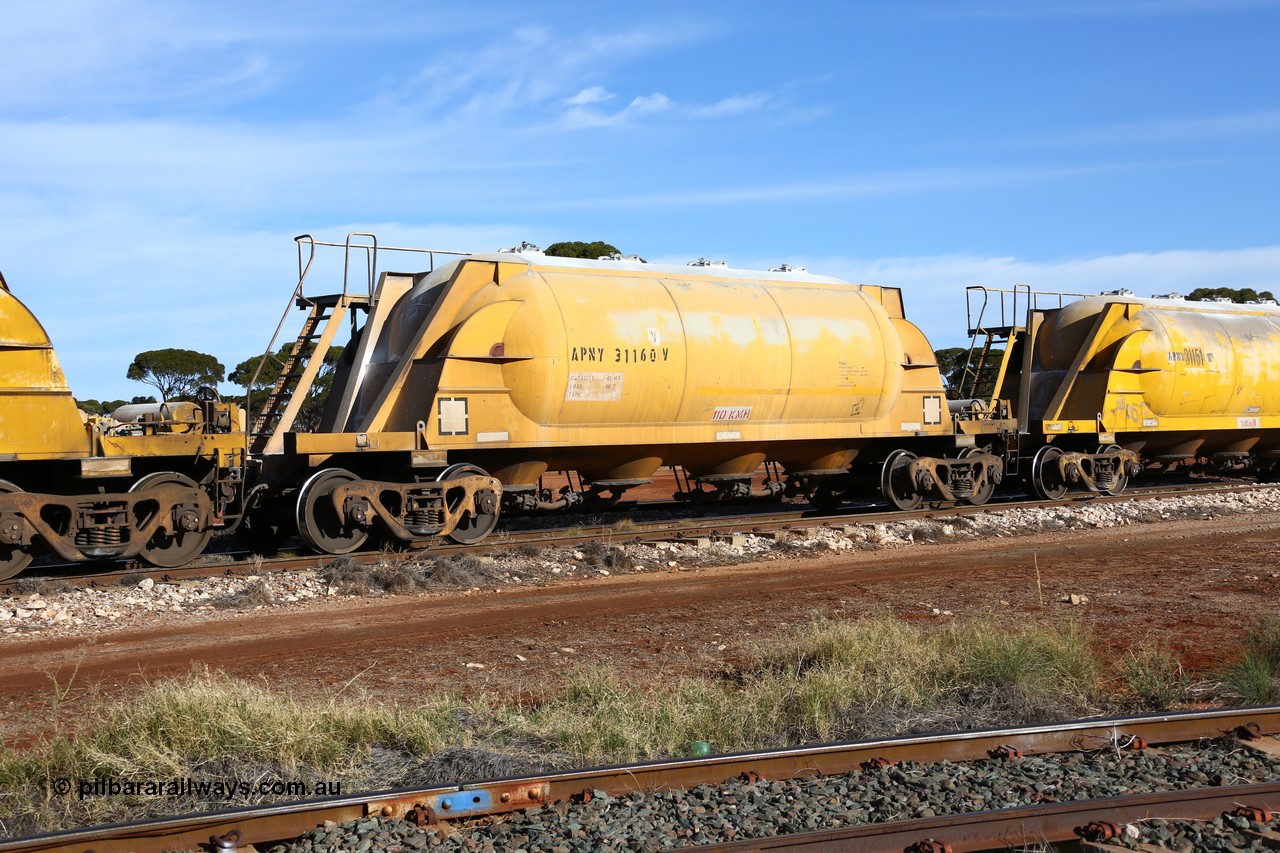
[299, 297]
[371, 251]
[1011, 311]
[370, 261]
[1015, 306]
[249, 415]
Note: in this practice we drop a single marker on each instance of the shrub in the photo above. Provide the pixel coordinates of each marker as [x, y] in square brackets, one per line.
[1154, 677]
[1255, 676]
[253, 594]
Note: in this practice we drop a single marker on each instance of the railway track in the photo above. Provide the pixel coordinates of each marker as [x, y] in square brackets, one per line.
[850, 781]
[655, 529]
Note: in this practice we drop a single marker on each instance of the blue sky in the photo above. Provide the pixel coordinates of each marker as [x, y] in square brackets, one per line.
[159, 157]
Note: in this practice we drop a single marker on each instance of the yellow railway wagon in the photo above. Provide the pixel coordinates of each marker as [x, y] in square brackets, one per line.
[516, 364]
[1163, 377]
[92, 489]
[646, 366]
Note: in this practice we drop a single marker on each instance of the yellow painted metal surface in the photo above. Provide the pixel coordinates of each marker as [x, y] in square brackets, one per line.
[1160, 366]
[509, 352]
[190, 445]
[38, 416]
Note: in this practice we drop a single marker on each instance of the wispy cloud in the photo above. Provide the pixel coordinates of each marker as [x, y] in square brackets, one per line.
[889, 182]
[658, 103]
[546, 79]
[532, 68]
[933, 286]
[735, 105]
[591, 95]
[500, 107]
[123, 283]
[655, 103]
[99, 57]
[1103, 8]
[1251, 123]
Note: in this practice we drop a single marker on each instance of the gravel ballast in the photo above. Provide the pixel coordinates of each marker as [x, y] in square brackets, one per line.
[55, 611]
[737, 810]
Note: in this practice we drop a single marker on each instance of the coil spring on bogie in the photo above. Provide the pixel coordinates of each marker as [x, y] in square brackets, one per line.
[424, 517]
[99, 537]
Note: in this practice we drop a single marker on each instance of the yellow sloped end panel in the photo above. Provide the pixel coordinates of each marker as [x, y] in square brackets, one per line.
[1126, 406]
[484, 329]
[38, 416]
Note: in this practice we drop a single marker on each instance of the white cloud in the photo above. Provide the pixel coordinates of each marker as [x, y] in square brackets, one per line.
[934, 286]
[591, 95]
[868, 185]
[1104, 8]
[95, 56]
[734, 105]
[531, 68]
[1257, 122]
[655, 103]
[658, 103]
[108, 284]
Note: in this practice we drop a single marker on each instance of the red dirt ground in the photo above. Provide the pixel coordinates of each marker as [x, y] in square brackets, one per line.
[1196, 585]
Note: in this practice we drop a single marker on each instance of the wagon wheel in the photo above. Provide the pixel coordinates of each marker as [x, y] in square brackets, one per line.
[481, 517]
[1121, 480]
[323, 528]
[980, 496]
[1046, 474]
[895, 481]
[169, 549]
[13, 558]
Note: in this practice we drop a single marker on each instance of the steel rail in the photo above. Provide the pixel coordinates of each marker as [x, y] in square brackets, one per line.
[256, 825]
[1005, 829]
[644, 531]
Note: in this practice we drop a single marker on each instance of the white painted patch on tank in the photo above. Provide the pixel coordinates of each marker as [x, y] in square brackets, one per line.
[810, 329]
[739, 331]
[594, 386]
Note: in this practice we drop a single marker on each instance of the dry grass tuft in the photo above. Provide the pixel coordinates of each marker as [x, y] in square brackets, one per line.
[1255, 676]
[833, 680]
[1154, 678]
[251, 595]
[41, 586]
[598, 554]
